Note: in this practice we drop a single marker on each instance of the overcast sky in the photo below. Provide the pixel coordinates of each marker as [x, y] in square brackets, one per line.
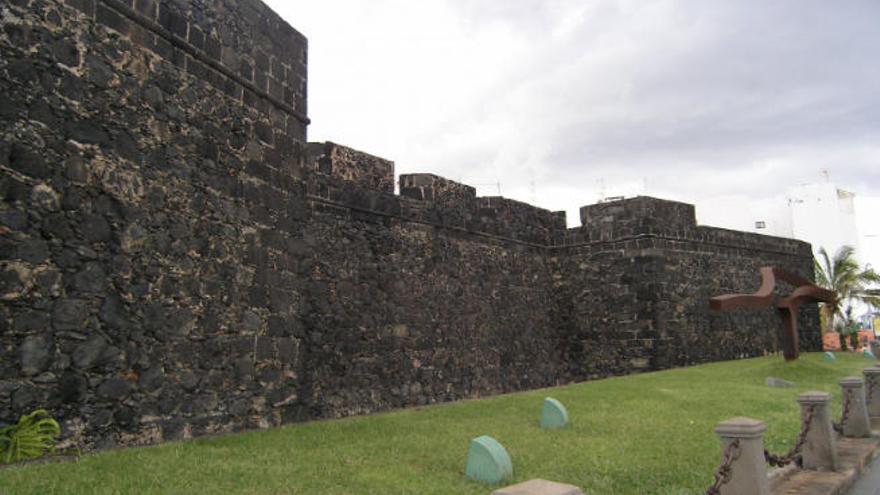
[719, 103]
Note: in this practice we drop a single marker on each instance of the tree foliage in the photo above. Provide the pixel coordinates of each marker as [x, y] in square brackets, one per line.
[850, 282]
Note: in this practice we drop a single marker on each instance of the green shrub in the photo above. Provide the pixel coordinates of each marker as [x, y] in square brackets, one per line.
[33, 436]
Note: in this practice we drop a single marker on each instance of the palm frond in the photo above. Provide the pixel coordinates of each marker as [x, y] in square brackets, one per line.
[842, 274]
[824, 269]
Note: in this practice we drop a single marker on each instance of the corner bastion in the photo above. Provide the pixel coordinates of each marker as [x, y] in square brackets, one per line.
[177, 260]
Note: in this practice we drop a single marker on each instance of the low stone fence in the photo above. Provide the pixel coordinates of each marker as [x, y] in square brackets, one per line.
[743, 466]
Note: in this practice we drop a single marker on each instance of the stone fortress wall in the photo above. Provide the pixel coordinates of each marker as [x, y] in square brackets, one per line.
[177, 260]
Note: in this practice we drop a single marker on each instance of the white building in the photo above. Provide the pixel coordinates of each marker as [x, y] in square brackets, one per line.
[826, 216]
[822, 214]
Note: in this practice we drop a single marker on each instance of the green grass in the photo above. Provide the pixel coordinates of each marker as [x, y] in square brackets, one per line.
[639, 434]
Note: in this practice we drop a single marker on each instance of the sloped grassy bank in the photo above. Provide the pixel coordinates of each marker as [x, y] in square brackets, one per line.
[639, 434]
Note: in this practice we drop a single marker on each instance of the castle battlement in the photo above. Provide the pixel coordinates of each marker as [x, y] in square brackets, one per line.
[178, 260]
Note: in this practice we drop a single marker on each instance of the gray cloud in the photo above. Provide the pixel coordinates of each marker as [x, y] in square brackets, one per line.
[726, 83]
[694, 98]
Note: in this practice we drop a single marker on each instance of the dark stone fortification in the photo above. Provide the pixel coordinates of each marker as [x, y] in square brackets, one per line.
[176, 260]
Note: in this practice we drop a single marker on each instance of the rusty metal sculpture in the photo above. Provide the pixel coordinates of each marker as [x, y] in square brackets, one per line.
[805, 292]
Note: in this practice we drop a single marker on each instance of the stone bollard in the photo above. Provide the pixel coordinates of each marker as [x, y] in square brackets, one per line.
[856, 423]
[820, 448]
[748, 472]
[872, 390]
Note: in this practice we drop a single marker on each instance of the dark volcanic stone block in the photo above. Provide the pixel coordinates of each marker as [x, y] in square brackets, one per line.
[35, 354]
[28, 161]
[171, 250]
[173, 21]
[86, 6]
[110, 18]
[72, 388]
[69, 314]
[86, 132]
[114, 389]
[89, 353]
[148, 8]
[66, 52]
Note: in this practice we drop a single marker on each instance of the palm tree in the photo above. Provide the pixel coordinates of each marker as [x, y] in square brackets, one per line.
[843, 275]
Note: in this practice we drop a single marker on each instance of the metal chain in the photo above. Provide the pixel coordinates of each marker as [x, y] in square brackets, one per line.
[722, 474]
[795, 453]
[838, 427]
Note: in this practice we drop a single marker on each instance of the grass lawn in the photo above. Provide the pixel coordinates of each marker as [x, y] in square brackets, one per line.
[638, 434]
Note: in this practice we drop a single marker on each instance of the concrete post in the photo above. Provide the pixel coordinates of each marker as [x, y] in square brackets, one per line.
[820, 448]
[748, 473]
[857, 424]
[872, 389]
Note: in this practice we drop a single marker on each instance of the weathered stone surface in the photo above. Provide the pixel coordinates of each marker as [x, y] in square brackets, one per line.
[15, 280]
[95, 228]
[36, 353]
[66, 52]
[33, 251]
[45, 198]
[820, 447]
[488, 461]
[88, 354]
[72, 388]
[114, 389]
[113, 312]
[152, 379]
[858, 422]
[166, 224]
[370, 172]
[69, 314]
[189, 381]
[26, 160]
[747, 471]
[90, 279]
[872, 390]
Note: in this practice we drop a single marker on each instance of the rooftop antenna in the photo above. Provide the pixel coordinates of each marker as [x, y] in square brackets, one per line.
[601, 182]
